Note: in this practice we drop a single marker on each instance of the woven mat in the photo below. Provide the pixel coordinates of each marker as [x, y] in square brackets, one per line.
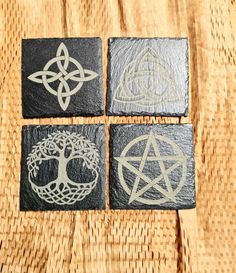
[199, 240]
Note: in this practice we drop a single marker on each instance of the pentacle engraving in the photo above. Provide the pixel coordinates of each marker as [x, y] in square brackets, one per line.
[147, 81]
[63, 75]
[63, 146]
[136, 192]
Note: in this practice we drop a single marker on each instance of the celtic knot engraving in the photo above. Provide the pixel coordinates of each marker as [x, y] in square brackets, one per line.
[148, 80]
[63, 91]
[63, 147]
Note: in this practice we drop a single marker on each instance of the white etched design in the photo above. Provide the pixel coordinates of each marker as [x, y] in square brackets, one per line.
[136, 192]
[146, 81]
[63, 146]
[63, 92]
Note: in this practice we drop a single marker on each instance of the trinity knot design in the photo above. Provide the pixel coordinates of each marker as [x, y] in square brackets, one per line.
[62, 76]
[141, 191]
[147, 81]
[64, 147]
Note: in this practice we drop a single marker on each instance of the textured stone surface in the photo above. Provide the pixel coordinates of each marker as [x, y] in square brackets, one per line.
[63, 167]
[62, 77]
[152, 167]
[147, 76]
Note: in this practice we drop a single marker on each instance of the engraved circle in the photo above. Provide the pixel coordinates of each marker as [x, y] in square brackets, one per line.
[175, 148]
[62, 190]
[63, 92]
[67, 76]
[147, 69]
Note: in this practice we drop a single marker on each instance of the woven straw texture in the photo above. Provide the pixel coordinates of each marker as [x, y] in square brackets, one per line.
[199, 240]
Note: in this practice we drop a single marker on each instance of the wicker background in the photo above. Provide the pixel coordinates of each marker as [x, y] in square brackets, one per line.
[201, 240]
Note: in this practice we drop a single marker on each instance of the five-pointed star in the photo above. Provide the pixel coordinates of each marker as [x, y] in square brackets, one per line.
[135, 192]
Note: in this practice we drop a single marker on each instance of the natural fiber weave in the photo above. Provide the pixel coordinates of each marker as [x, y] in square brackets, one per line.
[200, 240]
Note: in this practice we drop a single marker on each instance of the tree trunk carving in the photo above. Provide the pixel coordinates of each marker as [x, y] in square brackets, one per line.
[63, 147]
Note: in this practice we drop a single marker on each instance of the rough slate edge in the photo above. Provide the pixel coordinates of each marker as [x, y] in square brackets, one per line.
[196, 234]
[102, 166]
[78, 114]
[111, 157]
[110, 94]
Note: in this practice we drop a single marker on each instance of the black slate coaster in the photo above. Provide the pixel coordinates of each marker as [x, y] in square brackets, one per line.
[63, 167]
[147, 76]
[62, 77]
[152, 167]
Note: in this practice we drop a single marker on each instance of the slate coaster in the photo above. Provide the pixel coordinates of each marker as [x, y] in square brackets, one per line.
[147, 76]
[62, 77]
[63, 167]
[152, 167]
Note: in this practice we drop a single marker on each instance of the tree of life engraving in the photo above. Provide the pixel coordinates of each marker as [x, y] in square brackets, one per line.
[63, 76]
[146, 81]
[63, 146]
[136, 192]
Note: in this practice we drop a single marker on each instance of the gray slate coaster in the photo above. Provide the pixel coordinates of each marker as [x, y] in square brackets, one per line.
[62, 77]
[152, 167]
[147, 76]
[63, 167]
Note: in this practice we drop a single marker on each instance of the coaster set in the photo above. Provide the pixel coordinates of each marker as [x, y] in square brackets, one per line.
[151, 166]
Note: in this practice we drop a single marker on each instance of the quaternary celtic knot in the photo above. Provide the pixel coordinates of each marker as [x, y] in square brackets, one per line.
[63, 147]
[63, 91]
[148, 80]
[136, 192]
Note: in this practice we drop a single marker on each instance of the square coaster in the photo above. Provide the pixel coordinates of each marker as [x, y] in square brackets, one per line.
[152, 167]
[62, 77]
[63, 167]
[147, 76]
